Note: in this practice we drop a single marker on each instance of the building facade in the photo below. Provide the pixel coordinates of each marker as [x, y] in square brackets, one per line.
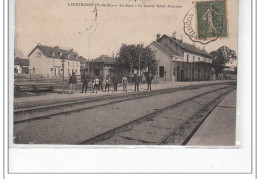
[101, 66]
[179, 61]
[48, 61]
[21, 65]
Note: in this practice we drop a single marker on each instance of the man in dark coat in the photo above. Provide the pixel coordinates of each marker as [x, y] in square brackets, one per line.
[73, 82]
[115, 81]
[85, 81]
[108, 82]
[137, 81]
[100, 82]
[149, 82]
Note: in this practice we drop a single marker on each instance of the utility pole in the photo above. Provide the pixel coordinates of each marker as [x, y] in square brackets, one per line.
[139, 60]
[131, 66]
[62, 60]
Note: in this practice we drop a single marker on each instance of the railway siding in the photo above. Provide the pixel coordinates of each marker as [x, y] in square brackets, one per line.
[73, 128]
[171, 126]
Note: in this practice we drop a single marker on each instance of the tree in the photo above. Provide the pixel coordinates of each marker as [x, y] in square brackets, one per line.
[221, 57]
[130, 54]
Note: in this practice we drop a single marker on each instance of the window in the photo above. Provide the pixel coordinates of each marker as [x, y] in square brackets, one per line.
[51, 69]
[193, 58]
[33, 70]
[73, 64]
[68, 64]
[39, 54]
[68, 71]
[187, 58]
[161, 71]
[199, 59]
[204, 59]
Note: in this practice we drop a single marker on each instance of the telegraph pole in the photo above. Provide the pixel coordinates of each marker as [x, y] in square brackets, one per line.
[139, 59]
[62, 60]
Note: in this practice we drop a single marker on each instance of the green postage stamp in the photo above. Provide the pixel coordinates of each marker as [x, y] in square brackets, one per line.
[211, 19]
[206, 21]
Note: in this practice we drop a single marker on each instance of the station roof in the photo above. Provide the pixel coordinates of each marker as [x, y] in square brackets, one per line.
[168, 49]
[201, 62]
[189, 47]
[56, 52]
[21, 62]
[104, 59]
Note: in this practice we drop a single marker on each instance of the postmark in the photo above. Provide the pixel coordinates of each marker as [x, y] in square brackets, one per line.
[206, 21]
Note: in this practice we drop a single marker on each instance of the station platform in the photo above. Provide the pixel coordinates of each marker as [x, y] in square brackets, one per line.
[219, 128]
[49, 98]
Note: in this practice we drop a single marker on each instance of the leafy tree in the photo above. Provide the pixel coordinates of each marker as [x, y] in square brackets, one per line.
[130, 54]
[221, 57]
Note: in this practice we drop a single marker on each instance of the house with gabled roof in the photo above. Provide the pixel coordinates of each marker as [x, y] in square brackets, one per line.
[101, 66]
[21, 65]
[45, 60]
[180, 61]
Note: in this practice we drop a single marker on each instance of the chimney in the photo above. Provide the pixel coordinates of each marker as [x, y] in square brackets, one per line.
[158, 37]
[174, 35]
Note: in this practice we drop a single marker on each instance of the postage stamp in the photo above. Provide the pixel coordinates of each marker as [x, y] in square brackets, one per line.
[206, 21]
[211, 19]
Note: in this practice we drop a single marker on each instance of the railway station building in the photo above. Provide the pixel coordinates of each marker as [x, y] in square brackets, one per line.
[101, 66]
[180, 61]
[46, 61]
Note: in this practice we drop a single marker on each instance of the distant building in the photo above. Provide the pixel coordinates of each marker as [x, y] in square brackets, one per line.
[101, 66]
[179, 61]
[83, 64]
[46, 60]
[21, 65]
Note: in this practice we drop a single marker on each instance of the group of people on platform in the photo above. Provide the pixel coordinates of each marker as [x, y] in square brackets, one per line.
[97, 83]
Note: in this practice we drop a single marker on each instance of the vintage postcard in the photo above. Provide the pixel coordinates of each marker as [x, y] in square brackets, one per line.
[132, 72]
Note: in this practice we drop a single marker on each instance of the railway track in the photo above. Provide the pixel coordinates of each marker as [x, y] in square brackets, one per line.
[178, 133]
[23, 115]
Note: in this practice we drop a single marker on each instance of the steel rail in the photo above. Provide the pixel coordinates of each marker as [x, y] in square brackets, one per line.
[116, 100]
[112, 132]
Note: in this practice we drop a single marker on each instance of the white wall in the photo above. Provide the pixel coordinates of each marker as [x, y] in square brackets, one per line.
[163, 59]
[41, 64]
[47, 66]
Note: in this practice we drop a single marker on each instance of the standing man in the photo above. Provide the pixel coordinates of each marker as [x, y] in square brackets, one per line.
[96, 84]
[108, 83]
[85, 81]
[73, 82]
[100, 82]
[115, 81]
[137, 81]
[124, 83]
[149, 82]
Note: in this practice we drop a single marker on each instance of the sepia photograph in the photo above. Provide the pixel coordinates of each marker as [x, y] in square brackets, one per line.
[134, 72]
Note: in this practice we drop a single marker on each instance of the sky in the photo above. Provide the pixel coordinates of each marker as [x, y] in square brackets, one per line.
[55, 23]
